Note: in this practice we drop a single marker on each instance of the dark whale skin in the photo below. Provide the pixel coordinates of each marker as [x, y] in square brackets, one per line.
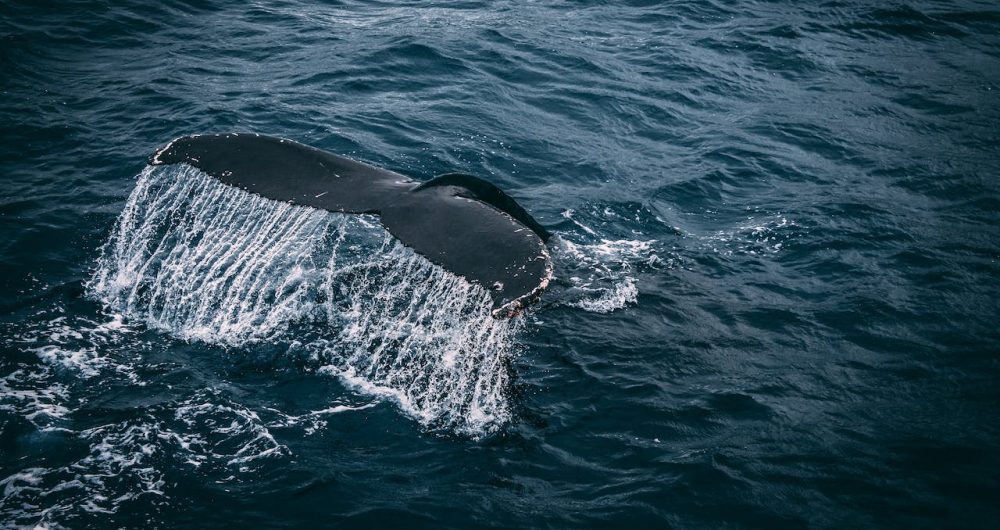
[460, 222]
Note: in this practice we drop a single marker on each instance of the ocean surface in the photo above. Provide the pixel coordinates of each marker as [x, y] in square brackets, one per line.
[776, 252]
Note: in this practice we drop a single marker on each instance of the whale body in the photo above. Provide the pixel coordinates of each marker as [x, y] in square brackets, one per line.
[460, 222]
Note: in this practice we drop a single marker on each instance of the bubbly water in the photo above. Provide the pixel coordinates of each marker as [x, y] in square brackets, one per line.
[204, 261]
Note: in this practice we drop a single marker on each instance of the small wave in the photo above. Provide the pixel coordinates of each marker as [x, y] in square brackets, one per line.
[315, 420]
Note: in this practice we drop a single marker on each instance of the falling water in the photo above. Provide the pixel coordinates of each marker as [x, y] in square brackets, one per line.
[207, 262]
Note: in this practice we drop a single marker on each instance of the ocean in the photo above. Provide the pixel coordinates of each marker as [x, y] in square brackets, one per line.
[774, 305]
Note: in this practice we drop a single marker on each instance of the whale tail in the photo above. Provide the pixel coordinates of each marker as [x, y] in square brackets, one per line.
[463, 223]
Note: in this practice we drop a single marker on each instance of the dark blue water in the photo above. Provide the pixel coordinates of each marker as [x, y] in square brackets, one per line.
[776, 288]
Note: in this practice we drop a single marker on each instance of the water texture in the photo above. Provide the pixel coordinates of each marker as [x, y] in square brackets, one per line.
[776, 260]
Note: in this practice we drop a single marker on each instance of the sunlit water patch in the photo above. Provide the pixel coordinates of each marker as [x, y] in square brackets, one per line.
[203, 261]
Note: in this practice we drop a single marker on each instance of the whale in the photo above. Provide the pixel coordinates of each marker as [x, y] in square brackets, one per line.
[459, 222]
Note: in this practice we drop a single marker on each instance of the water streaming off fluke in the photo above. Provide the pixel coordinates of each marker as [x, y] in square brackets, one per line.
[204, 261]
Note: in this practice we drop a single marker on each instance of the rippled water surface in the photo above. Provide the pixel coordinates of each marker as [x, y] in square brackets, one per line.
[776, 261]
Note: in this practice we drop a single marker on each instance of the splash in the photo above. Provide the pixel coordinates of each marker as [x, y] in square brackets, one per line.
[206, 262]
[601, 267]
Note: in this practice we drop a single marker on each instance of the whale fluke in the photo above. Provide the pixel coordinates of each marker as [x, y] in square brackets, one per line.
[460, 222]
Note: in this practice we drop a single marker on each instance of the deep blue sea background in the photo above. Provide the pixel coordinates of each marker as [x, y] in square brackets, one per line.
[775, 302]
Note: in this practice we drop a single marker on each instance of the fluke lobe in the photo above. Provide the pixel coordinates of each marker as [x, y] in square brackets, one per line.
[460, 222]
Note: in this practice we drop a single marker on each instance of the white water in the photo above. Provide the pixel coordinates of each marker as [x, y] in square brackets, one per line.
[207, 262]
[600, 268]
